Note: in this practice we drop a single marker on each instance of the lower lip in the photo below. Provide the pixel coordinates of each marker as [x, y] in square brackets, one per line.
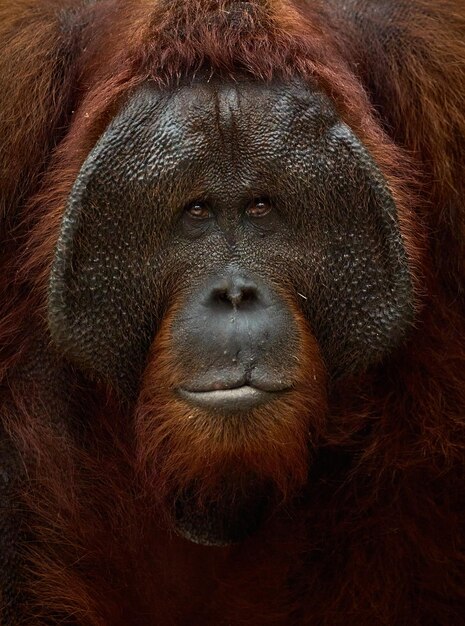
[229, 400]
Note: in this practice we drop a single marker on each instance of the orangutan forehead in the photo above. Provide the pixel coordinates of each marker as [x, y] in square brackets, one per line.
[246, 133]
[239, 113]
[255, 103]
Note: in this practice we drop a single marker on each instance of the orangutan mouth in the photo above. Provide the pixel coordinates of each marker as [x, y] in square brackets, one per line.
[235, 399]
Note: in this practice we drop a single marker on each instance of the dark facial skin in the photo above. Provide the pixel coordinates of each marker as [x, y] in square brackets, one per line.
[227, 199]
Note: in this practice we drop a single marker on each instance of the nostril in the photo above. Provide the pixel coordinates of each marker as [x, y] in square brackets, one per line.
[248, 294]
[221, 296]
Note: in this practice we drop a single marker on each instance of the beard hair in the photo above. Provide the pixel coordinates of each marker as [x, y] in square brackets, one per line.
[215, 476]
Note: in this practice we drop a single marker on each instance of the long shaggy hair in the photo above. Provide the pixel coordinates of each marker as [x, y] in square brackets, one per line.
[377, 535]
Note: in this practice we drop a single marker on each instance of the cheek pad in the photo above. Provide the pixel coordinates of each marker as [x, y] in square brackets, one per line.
[362, 301]
[102, 292]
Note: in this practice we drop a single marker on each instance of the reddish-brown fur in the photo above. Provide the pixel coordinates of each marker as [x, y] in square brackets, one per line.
[379, 537]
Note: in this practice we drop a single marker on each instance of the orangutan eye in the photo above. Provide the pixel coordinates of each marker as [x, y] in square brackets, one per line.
[259, 208]
[198, 211]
